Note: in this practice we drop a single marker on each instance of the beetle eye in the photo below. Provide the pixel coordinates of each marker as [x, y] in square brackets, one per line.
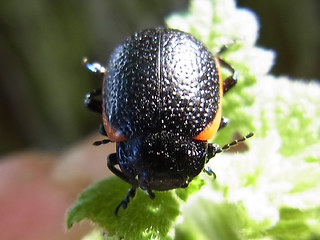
[113, 133]
[210, 130]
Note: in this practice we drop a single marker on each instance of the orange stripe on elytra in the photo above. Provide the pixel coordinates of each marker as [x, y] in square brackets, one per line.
[112, 132]
[211, 129]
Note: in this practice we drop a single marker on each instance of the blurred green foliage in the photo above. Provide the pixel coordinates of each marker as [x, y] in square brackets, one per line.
[42, 80]
[291, 28]
[42, 42]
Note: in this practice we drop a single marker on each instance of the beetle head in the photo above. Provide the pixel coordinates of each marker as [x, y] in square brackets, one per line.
[162, 161]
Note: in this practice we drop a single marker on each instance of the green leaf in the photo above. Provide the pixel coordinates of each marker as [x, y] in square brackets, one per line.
[194, 186]
[208, 220]
[143, 219]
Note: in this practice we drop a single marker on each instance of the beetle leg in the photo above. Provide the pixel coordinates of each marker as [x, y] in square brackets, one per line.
[209, 171]
[225, 47]
[222, 49]
[230, 81]
[112, 161]
[102, 131]
[96, 105]
[151, 194]
[124, 203]
[224, 122]
[92, 103]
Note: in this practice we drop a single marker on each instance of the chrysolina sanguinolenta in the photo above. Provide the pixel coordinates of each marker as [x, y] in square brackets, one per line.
[161, 103]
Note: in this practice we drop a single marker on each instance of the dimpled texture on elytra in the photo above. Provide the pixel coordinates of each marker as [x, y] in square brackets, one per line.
[161, 80]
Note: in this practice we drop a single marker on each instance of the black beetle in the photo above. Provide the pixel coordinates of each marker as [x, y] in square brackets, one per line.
[161, 102]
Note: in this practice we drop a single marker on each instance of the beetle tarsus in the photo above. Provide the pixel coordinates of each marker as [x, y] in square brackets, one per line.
[151, 194]
[124, 203]
[92, 103]
[210, 172]
[226, 47]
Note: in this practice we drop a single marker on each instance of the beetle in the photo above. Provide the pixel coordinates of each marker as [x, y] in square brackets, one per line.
[161, 101]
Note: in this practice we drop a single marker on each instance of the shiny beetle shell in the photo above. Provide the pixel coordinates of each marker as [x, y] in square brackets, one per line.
[161, 103]
[161, 80]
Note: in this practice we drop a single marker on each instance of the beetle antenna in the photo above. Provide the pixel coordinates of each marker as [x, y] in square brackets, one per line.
[104, 141]
[93, 67]
[216, 149]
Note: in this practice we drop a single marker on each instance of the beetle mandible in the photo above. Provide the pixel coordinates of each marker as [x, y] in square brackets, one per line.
[161, 103]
